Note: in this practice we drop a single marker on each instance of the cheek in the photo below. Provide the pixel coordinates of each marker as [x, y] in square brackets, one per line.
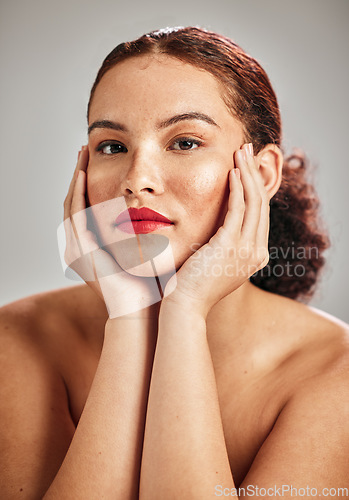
[99, 187]
[204, 184]
[205, 192]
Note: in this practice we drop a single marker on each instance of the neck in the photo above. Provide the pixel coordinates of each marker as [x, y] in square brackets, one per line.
[231, 319]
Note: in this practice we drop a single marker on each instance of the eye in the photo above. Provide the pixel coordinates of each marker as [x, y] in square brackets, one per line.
[111, 148]
[185, 144]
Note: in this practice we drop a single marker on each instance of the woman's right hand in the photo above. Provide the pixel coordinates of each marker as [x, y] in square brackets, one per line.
[123, 293]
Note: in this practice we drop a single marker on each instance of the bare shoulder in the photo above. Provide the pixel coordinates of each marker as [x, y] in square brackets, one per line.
[303, 338]
[301, 323]
[67, 302]
[37, 335]
[309, 441]
[25, 322]
[42, 317]
[35, 326]
[313, 357]
[323, 329]
[328, 341]
[28, 327]
[35, 423]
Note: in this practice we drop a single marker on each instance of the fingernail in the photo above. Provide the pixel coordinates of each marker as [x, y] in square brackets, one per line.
[250, 148]
[237, 172]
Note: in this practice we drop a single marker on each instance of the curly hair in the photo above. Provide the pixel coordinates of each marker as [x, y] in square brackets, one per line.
[296, 238]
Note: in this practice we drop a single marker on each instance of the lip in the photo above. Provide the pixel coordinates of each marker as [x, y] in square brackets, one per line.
[141, 220]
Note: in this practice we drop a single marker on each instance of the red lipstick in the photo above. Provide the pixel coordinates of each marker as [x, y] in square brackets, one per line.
[141, 221]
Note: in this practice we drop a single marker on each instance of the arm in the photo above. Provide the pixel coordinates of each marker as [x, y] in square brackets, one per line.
[184, 449]
[103, 460]
[42, 454]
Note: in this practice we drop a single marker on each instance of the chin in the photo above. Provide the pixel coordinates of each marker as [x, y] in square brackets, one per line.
[159, 266]
[144, 255]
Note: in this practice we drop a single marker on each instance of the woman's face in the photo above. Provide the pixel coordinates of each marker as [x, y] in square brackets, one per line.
[168, 146]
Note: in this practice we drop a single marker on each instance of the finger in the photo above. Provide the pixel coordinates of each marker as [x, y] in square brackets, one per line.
[80, 243]
[82, 164]
[87, 241]
[77, 215]
[262, 232]
[67, 201]
[77, 211]
[254, 170]
[73, 248]
[236, 205]
[262, 236]
[253, 201]
[78, 201]
[82, 240]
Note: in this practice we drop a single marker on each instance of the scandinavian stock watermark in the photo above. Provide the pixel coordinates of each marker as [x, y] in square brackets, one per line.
[283, 261]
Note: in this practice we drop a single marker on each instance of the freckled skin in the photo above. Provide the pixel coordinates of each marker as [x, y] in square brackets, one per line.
[190, 187]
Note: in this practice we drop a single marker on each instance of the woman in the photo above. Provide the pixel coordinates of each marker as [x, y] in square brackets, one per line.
[214, 382]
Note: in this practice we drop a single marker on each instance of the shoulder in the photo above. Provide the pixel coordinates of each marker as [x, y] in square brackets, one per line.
[308, 349]
[315, 419]
[328, 385]
[309, 441]
[299, 332]
[315, 345]
[27, 327]
[297, 320]
[52, 326]
[35, 307]
[322, 345]
[42, 313]
[36, 426]
[48, 328]
[318, 409]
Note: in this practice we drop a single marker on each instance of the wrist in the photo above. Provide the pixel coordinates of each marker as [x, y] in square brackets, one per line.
[179, 322]
[180, 303]
[139, 330]
[136, 314]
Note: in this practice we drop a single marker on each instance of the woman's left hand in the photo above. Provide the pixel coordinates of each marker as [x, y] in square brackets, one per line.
[237, 250]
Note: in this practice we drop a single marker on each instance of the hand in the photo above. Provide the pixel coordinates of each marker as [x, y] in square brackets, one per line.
[237, 250]
[123, 293]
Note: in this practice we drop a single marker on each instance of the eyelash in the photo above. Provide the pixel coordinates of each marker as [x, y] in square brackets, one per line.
[105, 144]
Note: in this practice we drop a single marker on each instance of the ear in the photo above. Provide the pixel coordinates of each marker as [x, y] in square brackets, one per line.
[269, 161]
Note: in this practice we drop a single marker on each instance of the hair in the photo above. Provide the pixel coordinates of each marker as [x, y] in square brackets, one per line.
[296, 239]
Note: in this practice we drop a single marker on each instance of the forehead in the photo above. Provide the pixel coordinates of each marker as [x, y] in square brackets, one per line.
[155, 85]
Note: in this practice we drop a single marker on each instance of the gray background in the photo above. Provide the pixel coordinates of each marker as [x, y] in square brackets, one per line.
[50, 53]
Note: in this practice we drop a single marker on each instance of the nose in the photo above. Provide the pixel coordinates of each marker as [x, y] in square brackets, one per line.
[142, 176]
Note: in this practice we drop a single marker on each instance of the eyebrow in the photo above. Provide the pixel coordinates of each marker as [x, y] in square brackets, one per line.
[192, 115]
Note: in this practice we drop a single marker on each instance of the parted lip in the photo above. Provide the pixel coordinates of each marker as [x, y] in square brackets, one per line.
[143, 213]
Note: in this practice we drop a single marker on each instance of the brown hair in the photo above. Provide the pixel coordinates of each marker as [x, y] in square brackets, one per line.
[296, 243]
